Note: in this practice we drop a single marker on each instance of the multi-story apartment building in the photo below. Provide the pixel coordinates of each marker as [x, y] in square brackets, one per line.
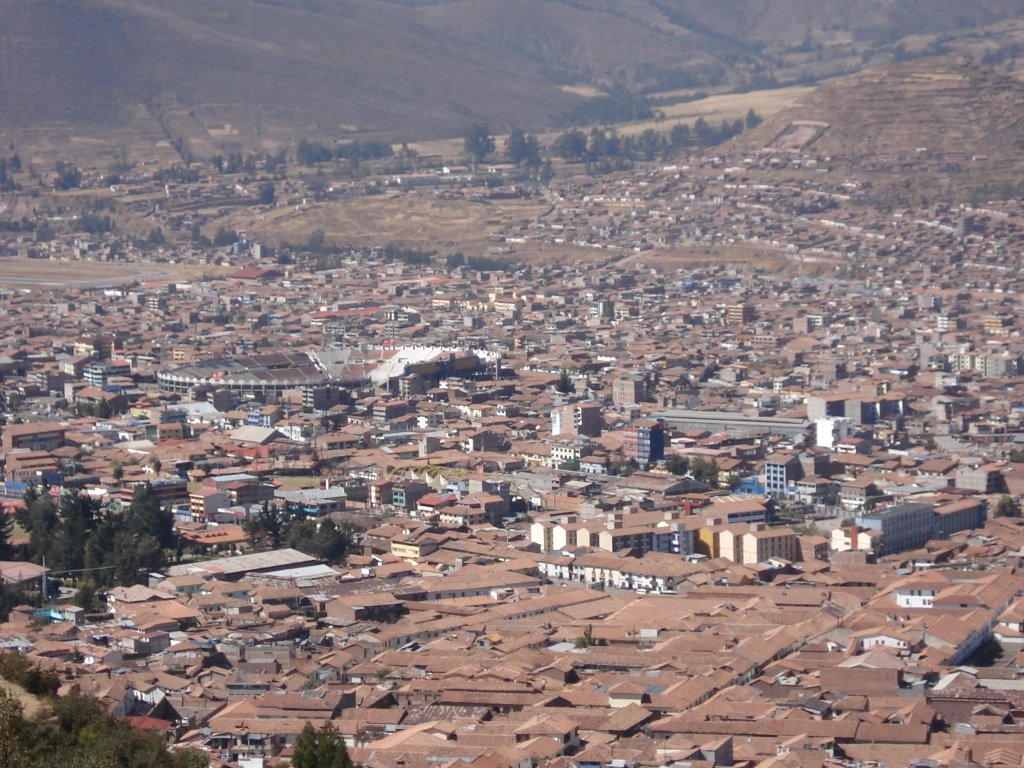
[644, 441]
[576, 419]
[628, 389]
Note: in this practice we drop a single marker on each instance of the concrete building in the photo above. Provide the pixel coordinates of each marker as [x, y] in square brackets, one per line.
[576, 419]
[644, 441]
[904, 526]
[628, 389]
[830, 430]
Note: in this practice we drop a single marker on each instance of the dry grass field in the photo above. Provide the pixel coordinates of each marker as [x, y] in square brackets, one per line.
[421, 220]
[714, 109]
[723, 106]
[39, 273]
[751, 256]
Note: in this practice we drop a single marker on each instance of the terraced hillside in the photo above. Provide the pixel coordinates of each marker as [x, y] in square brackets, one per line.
[945, 125]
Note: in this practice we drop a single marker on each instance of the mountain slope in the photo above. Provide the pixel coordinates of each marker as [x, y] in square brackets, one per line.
[230, 73]
[365, 65]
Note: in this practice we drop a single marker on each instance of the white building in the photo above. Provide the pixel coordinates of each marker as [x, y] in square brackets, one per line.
[830, 430]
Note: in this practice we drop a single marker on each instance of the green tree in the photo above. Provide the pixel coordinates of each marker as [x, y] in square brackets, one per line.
[310, 153]
[77, 518]
[680, 135]
[269, 521]
[267, 193]
[134, 556]
[323, 748]
[87, 599]
[677, 465]
[522, 148]
[102, 410]
[224, 237]
[753, 119]
[649, 144]
[587, 638]
[7, 550]
[571, 146]
[547, 172]
[705, 471]
[603, 144]
[324, 539]
[478, 143]
[628, 467]
[68, 176]
[12, 731]
[276, 162]
[1007, 507]
[704, 132]
[332, 541]
[146, 517]
[99, 549]
[317, 241]
[39, 519]
[564, 383]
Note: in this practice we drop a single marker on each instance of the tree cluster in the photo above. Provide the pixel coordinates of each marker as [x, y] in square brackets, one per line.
[523, 148]
[478, 142]
[9, 165]
[73, 535]
[1007, 507]
[575, 146]
[155, 238]
[68, 176]
[482, 263]
[321, 538]
[392, 252]
[178, 174]
[309, 153]
[320, 748]
[267, 194]
[17, 669]
[94, 223]
[224, 237]
[619, 105]
[705, 471]
[80, 734]
[101, 409]
[17, 225]
[234, 162]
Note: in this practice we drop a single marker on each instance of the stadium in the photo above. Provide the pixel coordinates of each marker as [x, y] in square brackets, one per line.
[266, 377]
[262, 376]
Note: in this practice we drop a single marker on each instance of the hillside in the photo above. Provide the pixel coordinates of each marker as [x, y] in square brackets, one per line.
[963, 121]
[209, 75]
[255, 66]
